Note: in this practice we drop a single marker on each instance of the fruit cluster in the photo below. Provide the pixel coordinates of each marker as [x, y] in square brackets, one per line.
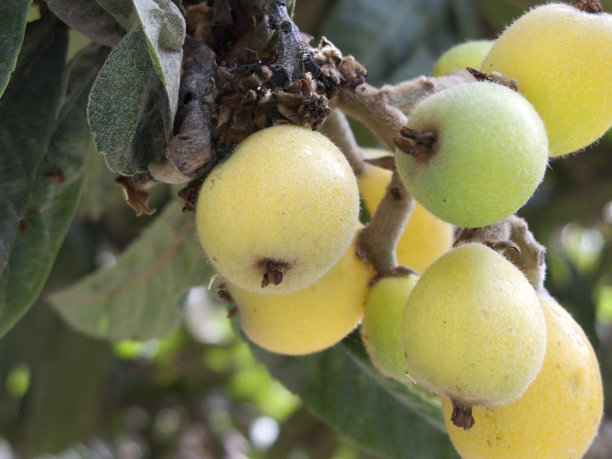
[279, 220]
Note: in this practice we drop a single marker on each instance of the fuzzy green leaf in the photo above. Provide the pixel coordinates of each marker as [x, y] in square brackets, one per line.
[136, 299]
[28, 113]
[128, 111]
[13, 14]
[381, 416]
[55, 194]
[89, 18]
[164, 28]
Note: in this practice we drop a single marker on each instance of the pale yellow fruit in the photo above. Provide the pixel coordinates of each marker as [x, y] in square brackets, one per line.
[381, 329]
[468, 54]
[280, 212]
[562, 60]
[309, 320]
[473, 328]
[557, 417]
[425, 237]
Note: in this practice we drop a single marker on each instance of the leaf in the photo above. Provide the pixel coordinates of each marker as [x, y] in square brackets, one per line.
[55, 194]
[128, 110]
[27, 119]
[13, 14]
[394, 39]
[136, 298]
[381, 416]
[89, 18]
[164, 28]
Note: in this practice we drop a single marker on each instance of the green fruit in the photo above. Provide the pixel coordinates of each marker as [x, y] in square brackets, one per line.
[562, 60]
[468, 54]
[473, 328]
[558, 415]
[381, 329]
[309, 320]
[487, 154]
[280, 212]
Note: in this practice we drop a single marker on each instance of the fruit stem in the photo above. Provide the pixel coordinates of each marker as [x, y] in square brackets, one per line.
[377, 242]
[511, 238]
[384, 110]
[462, 415]
[339, 131]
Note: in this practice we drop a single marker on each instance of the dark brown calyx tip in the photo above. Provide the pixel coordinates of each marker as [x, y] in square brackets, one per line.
[462, 415]
[416, 143]
[589, 6]
[272, 271]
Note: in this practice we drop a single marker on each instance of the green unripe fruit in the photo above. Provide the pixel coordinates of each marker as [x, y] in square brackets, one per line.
[473, 329]
[468, 54]
[280, 212]
[562, 60]
[478, 152]
[381, 329]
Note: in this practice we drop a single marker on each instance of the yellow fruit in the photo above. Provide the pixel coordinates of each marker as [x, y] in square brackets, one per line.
[562, 60]
[473, 328]
[468, 54]
[309, 320]
[425, 237]
[381, 329]
[280, 212]
[558, 415]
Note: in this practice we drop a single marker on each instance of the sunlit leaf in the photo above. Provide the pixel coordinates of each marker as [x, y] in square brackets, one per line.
[128, 111]
[164, 27]
[13, 14]
[136, 298]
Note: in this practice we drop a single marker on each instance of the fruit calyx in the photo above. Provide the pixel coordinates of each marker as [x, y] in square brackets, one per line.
[272, 271]
[419, 144]
[494, 77]
[589, 6]
[462, 415]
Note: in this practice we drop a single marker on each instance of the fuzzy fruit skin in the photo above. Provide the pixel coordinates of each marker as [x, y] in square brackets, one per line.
[562, 60]
[468, 54]
[286, 194]
[473, 328]
[558, 415]
[489, 157]
[425, 237]
[309, 320]
[381, 329]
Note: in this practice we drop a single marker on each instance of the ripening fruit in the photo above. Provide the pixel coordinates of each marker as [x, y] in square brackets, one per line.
[473, 329]
[562, 60]
[558, 415]
[468, 54]
[480, 152]
[425, 237]
[280, 212]
[381, 329]
[309, 320]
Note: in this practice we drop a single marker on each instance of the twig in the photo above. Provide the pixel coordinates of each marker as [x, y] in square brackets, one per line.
[339, 131]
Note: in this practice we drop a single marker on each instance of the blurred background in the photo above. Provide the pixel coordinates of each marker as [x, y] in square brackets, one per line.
[199, 393]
